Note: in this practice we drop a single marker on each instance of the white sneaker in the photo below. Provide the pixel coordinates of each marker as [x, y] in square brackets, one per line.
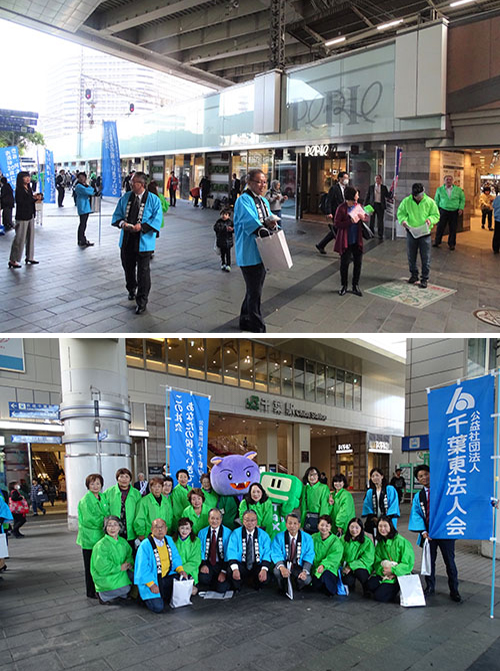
[222, 266]
[228, 269]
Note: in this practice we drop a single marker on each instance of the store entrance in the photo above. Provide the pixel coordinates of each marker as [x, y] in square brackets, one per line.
[317, 176]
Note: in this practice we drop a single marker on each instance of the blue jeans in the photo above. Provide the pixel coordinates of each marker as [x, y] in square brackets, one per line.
[414, 245]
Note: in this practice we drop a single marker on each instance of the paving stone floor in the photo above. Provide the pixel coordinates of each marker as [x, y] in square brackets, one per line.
[82, 290]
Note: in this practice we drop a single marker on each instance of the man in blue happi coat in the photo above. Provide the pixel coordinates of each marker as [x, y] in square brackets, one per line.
[139, 215]
[249, 553]
[214, 547]
[292, 552]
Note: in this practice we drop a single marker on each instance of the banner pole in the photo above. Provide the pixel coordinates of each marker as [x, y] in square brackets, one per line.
[495, 502]
[167, 430]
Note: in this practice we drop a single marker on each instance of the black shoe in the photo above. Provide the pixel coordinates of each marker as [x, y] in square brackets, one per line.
[44, 512]
[343, 290]
[482, 227]
[452, 248]
[320, 249]
[413, 279]
[455, 596]
[89, 244]
[131, 296]
[19, 535]
[32, 262]
[356, 290]
[428, 592]
[423, 284]
[436, 244]
[14, 265]
[140, 309]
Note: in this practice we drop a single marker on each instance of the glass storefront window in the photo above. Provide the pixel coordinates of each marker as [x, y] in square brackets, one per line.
[260, 358]
[339, 389]
[239, 165]
[274, 371]
[298, 377]
[286, 375]
[155, 354]
[357, 392]
[286, 174]
[196, 358]
[479, 355]
[310, 381]
[349, 391]
[330, 385]
[247, 370]
[320, 383]
[176, 356]
[134, 350]
[214, 360]
[230, 362]
[262, 159]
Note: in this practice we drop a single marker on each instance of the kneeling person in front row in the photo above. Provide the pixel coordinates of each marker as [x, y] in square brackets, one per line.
[292, 552]
[249, 553]
[214, 546]
[156, 563]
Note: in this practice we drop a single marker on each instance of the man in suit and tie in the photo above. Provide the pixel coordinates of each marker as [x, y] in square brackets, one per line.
[334, 198]
[378, 195]
[214, 546]
[249, 553]
[292, 552]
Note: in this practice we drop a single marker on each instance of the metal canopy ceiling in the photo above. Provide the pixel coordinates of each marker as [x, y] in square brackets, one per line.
[222, 42]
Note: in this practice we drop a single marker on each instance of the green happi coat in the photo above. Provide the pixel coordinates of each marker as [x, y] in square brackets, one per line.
[148, 510]
[314, 499]
[113, 496]
[359, 555]
[108, 556]
[327, 552]
[342, 511]
[91, 514]
[211, 498]
[396, 549]
[199, 521]
[190, 552]
[264, 512]
[179, 499]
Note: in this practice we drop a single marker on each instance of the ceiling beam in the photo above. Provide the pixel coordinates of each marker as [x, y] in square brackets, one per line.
[135, 14]
[226, 48]
[256, 57]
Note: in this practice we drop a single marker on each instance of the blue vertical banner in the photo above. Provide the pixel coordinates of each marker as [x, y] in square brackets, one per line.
[10, 164]
[188, 433]
[49, 187]
[110, 159]
[461, 447]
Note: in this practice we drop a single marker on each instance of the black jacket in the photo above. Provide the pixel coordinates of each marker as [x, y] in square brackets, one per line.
[384, 195]
[224, 237]
[334, 198]
[7, 195]
[25, 204]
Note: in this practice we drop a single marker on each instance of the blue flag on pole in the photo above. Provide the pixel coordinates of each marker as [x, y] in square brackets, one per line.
[188, 433]
[49, 187]
[461, 445]
[110, 155]
[10, 164]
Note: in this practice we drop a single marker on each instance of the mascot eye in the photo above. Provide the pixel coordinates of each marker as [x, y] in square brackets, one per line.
[249, 473]
[229, 476]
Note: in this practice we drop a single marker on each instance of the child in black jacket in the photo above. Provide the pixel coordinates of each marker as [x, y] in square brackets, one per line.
[224, 238]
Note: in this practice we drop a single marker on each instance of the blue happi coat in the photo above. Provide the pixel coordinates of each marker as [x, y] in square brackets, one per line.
[417, 518]
[246, 222]
[235, 548]
[392, 504]
[278, 550]
[202, 535]
[83, 194]
[5, 514]
[152, 215]
[145, 569]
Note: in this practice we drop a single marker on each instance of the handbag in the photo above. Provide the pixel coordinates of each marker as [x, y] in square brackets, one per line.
[412, 593]
[366, 231]
[4, 550]
[311, 522]
[425, 568]
[20, 507]
[342, 590]
[274, 251]
[181, 593]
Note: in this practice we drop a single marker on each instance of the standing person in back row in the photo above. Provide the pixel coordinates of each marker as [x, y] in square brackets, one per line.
[451, 202]
[334, 198]
[60, 186]
[172, 186]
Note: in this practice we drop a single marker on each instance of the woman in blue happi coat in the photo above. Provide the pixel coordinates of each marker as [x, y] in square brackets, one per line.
[380, 499]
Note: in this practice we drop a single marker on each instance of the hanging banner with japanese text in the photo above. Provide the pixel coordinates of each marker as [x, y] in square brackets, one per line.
[461, 447]
[188, 433]
[49, 187]
[10, 164]
[110, 155]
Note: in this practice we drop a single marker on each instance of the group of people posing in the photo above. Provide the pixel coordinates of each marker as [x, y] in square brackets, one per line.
[136, 540]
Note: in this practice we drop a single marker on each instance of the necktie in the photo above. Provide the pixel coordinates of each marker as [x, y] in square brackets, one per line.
[213, 549]
[250, 552]
[292, 550]
[427, 511]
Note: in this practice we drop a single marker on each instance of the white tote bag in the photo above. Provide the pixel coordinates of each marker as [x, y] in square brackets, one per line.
[4, 550]
[274, 251]
[181, 593]
[425, 569]
[412, 593]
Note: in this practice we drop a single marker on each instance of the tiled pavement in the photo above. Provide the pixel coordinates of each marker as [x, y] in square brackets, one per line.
[75, 290]
[47, 623]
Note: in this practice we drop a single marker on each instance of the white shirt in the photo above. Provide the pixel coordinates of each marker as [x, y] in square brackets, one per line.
[159, 544]
[377, 193]
[449, 189]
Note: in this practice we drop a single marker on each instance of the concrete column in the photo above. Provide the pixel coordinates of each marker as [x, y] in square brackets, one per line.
[301, 442]
[268, 445]
[94, 399]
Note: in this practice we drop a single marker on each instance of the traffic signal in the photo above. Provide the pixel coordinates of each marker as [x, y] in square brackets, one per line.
[88, 94]
[131, 107]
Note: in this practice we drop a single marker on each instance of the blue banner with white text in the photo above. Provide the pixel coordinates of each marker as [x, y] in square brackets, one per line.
[49, 187]
[461, 442]
[10, 164]
[188, 433]
[110, 155]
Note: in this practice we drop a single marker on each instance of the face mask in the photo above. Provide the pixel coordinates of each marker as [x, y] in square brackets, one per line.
[345, 181]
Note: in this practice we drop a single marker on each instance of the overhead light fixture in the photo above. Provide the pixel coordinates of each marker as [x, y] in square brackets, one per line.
[391, 24]
[337, 40]
[461, 2]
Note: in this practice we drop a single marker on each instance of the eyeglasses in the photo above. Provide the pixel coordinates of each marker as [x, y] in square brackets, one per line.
[261, 181]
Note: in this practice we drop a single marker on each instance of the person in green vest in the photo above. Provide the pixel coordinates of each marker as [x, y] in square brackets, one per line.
[314, 500]
[189, 546]
[358, 557]
[256, 499]
[211, 497]
[450, 200]
[342, 504]
[328, 551]
[110, 563]
[92, 510]
[168, 485]
[197, 510]
[123, 501]
[151, 507]
[394, 557]
[179, 495]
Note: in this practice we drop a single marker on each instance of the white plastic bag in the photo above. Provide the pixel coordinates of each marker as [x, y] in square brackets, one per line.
[412, 593]
[4, 550]
[425, 569]
[181, 593]
[274, 251]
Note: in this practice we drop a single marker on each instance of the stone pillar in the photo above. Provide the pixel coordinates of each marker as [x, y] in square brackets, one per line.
[95, 413]
[268, 445]
[301, 443]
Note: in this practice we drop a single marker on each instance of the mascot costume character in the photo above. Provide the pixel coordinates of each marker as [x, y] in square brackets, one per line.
[231, 478]
[284, 491]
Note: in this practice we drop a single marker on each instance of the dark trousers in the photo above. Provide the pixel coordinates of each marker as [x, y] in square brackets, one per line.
[166, 585]
[7, 217]
[89, 582]
[210, 580]
[82, 228]
[354, 252]
[379, 216]
[296, 582]
[450, 218]
[196, 199]
[382, 591]
[327, 582]
[447, 548]
[496, 237]
[360, 574]
[204, 196]
[328, 237]
[225, 256]
[487, 214]
[60, 195]
[37, 505]
[250, 576]
[173, 197]
[250, 315]
[137, 274]
[422, 245]
[19, 520]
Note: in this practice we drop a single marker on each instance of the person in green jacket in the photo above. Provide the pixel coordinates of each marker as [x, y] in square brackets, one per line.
[314, 500]
[342, 504]
[394, 556]
[123, 501]
[256, 499]
[197, 510]
[328, 551]
[418, 214]
[151, 507]
[110, 563]
[92, 510]
[168, 486]
[179, 495]
[189, 546]
[211, 497]
[358, 557]
[450, 200]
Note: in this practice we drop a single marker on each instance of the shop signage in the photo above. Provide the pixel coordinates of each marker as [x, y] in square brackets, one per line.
[317, 149]
[379, 443]
[12, 354]
[276, 407]
[415, 443]
[52, 440]
[33, 410]
[345, 448]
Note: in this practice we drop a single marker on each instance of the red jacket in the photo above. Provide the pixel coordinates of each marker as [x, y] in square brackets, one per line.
[342, 222]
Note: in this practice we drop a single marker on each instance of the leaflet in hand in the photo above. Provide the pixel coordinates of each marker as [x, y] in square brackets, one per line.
[419, 231]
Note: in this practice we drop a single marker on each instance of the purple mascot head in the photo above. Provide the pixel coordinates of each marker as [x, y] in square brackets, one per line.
[233, 475]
